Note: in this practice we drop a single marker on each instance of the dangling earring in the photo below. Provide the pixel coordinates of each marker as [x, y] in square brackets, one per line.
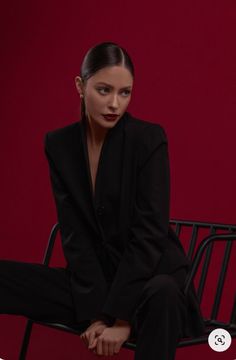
[81, 96]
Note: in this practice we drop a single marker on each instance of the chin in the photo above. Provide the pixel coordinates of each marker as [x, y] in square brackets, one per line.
[102, 122]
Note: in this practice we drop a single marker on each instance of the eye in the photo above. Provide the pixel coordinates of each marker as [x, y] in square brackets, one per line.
[103, 90]
[126, 92]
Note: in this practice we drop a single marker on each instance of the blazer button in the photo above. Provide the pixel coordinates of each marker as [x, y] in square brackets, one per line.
[100, 210]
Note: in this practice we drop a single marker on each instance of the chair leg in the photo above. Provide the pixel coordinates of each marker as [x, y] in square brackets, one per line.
[26, 339]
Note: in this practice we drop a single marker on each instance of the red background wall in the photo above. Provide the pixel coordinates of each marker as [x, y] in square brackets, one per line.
[184, 56]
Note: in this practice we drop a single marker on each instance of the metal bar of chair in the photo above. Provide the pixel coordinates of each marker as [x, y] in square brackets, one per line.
[205, 267]
[221, 280]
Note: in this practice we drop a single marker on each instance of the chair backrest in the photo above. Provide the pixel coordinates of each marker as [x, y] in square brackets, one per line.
[215, 269]
[209, 248]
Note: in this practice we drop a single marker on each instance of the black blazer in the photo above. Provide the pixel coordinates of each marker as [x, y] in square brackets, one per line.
[145, 243]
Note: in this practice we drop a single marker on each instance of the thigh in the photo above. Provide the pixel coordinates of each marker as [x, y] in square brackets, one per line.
[37, 291]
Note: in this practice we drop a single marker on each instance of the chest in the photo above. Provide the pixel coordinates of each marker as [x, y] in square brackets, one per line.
[105, 171]
[93, 157]
[105, 165]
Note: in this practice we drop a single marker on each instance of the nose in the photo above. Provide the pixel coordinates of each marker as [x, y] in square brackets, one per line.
[114, 103]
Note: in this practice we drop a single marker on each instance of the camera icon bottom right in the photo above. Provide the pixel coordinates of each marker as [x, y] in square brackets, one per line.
[219, 339]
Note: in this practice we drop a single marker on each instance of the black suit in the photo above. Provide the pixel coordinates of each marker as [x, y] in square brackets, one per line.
[144, 244]
[123, 259]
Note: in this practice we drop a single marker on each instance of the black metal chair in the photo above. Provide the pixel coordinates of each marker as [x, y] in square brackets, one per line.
[198, 245]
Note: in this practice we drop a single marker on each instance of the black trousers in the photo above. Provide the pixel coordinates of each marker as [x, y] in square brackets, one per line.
[44, 293]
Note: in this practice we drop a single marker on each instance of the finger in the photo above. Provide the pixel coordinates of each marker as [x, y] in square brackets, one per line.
[111, 348]
[100, 330]
[100, 346]
[105, 348]
[91, 337]
[86, 338]
[117, 347]
[94, 335]
[82, 336]
[93, 344]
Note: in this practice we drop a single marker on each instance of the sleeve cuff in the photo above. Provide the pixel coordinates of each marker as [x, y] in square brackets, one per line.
[107, 319]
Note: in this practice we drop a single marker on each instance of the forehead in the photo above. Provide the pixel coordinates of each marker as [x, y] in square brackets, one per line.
[113, 75]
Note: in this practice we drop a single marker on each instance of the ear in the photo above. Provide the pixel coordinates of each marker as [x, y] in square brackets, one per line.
[79, 85]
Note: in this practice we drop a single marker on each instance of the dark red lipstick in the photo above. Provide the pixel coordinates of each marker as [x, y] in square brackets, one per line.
[111, 117]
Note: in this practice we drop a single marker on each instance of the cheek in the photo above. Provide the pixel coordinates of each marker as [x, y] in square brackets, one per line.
[126, 102]
[95, 101]
[90, 102]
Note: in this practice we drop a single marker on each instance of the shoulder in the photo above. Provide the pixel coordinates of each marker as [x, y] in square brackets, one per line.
[63, 135]
[144, 132]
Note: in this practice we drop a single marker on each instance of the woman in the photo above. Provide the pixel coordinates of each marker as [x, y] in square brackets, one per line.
[125, 266]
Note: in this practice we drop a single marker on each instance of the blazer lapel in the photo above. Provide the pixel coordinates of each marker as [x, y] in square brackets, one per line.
[79, 179]
[128, 179]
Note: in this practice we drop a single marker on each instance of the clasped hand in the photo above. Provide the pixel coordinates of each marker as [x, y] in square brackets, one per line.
[106, 340]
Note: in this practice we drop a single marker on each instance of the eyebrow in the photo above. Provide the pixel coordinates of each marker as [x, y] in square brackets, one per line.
[103, 83]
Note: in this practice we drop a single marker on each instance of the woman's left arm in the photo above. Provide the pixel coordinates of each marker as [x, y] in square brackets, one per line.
[148, 233]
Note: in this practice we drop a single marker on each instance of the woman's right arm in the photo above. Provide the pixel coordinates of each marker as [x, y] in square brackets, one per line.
[88, 277]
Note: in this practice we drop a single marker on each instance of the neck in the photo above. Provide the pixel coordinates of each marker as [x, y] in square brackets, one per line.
[95, 133]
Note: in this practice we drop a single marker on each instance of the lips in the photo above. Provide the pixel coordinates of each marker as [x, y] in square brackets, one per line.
[111, 117]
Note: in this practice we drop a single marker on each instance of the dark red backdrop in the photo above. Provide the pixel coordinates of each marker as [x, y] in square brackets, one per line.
[184, 56]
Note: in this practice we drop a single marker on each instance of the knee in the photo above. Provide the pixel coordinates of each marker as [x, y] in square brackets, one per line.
[164, 287]
[4, 265]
